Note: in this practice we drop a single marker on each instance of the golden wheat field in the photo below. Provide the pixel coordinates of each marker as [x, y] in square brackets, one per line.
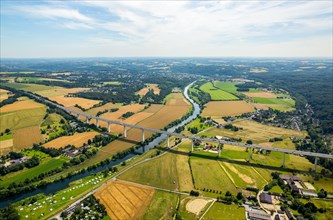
[78, 139]
[218, 109]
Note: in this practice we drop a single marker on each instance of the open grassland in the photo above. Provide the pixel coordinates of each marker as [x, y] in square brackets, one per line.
[51, 119]
[72, 101]
[26, 137]
[107, 106]
[36, 79]
[218, 109]
[162, 206]
[124, 200]
[46, 165]
[78, 139]
[226, 86]
[258, 133]
[217, 94]
[148, 87]
[20, 105]
[224, 211]
[185, 182]
[323, 183]
[22, 119]
[287, 102]
[160, 172]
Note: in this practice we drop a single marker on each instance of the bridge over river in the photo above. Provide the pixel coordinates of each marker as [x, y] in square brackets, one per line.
[252, 147]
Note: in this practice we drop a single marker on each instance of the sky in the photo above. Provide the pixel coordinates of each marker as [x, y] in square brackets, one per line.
[46, 29]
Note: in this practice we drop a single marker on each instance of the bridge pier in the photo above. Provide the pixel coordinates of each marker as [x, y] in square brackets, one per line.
[219, 151]
[168, 141]
[87, 120]
[143, 135]
[125, 132]
[192, 144]
[109, 127]
[97, 122]
[315, 164]
[284, 159]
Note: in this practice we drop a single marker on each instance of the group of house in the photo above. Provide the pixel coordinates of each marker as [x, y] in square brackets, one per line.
[13, 163]
[296, 184]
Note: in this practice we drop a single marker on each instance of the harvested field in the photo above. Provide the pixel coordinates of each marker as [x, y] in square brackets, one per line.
[6, 143]
[261, 94]
[154, 108]
[124, 200]
[26, 137]
[195, 206]
[20, 105]
[78, 139]
[218, 109]
[3, 91]
[102, 108]
[184, 173]
[72, 101]
[176, 99]
[144, 91]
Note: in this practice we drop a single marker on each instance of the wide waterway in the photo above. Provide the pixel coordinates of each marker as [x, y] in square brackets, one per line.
[63, 184]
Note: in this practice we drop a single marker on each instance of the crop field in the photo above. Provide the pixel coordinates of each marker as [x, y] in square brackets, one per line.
[260, 94]
[107, 106]
[288, 102]
[78, 139]
[52, 118]
[160, 172]
[21, 119]
[226, 86]
[3, 94]
[218, 210]
[20, 105]
[6, 146]
[46, 165]
[26, 137]
[258, 133]
[146, 89]
[217, 94]
[162, 206]
[185, 182]
[71, 101]
[218, 109]
[176, 99]
[124, 200]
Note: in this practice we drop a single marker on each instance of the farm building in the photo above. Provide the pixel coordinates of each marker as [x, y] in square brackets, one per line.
[265, 198]
[255, 214]
[13, 163]
[308, 193]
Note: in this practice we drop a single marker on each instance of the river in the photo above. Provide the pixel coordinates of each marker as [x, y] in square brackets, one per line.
[60, 185]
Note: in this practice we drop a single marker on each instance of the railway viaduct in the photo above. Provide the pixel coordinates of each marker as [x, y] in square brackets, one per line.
[252, 147]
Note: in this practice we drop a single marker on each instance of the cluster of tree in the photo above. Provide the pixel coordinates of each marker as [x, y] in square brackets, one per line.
[193, 130]
[80, 107]
[127, 114]
[232, 127]
[194, 193]
[9, 213]
[86, 154]
[245, 87]
[10, 99]
[308, 210]
[53, 152]
[229, 198]
[91, 208]
[32, 162]
[275, 139]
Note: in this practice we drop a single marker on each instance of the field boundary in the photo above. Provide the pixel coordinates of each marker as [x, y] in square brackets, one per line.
[226, 172]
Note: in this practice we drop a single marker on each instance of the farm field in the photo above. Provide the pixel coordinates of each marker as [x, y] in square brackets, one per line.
[260, 94]
[319, 203]
[192, 207]
[218, 109]
[78, 139]
[217, 94]
[3, 94]
[124, 200]
[185, 182]
[160, 172]
[226, 86]
[36, 79]
[72, 101]
[26, 137]
[227, 211]
[20, 105]
[146, 89]
[258, 133]
[107, 106]
[22, 118]
[162, 206]
[6, 146]
[287, 104]
[46, 165]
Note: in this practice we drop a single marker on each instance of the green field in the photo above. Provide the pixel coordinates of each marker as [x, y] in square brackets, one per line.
[217, 94]
[226, 86]
[53, 120]
[45, 166]
[21, 119]
[161, 172]
[276, 189]
[6, 136]
[288, 102]
[162, 206]
[223, 211]
[31, 153]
